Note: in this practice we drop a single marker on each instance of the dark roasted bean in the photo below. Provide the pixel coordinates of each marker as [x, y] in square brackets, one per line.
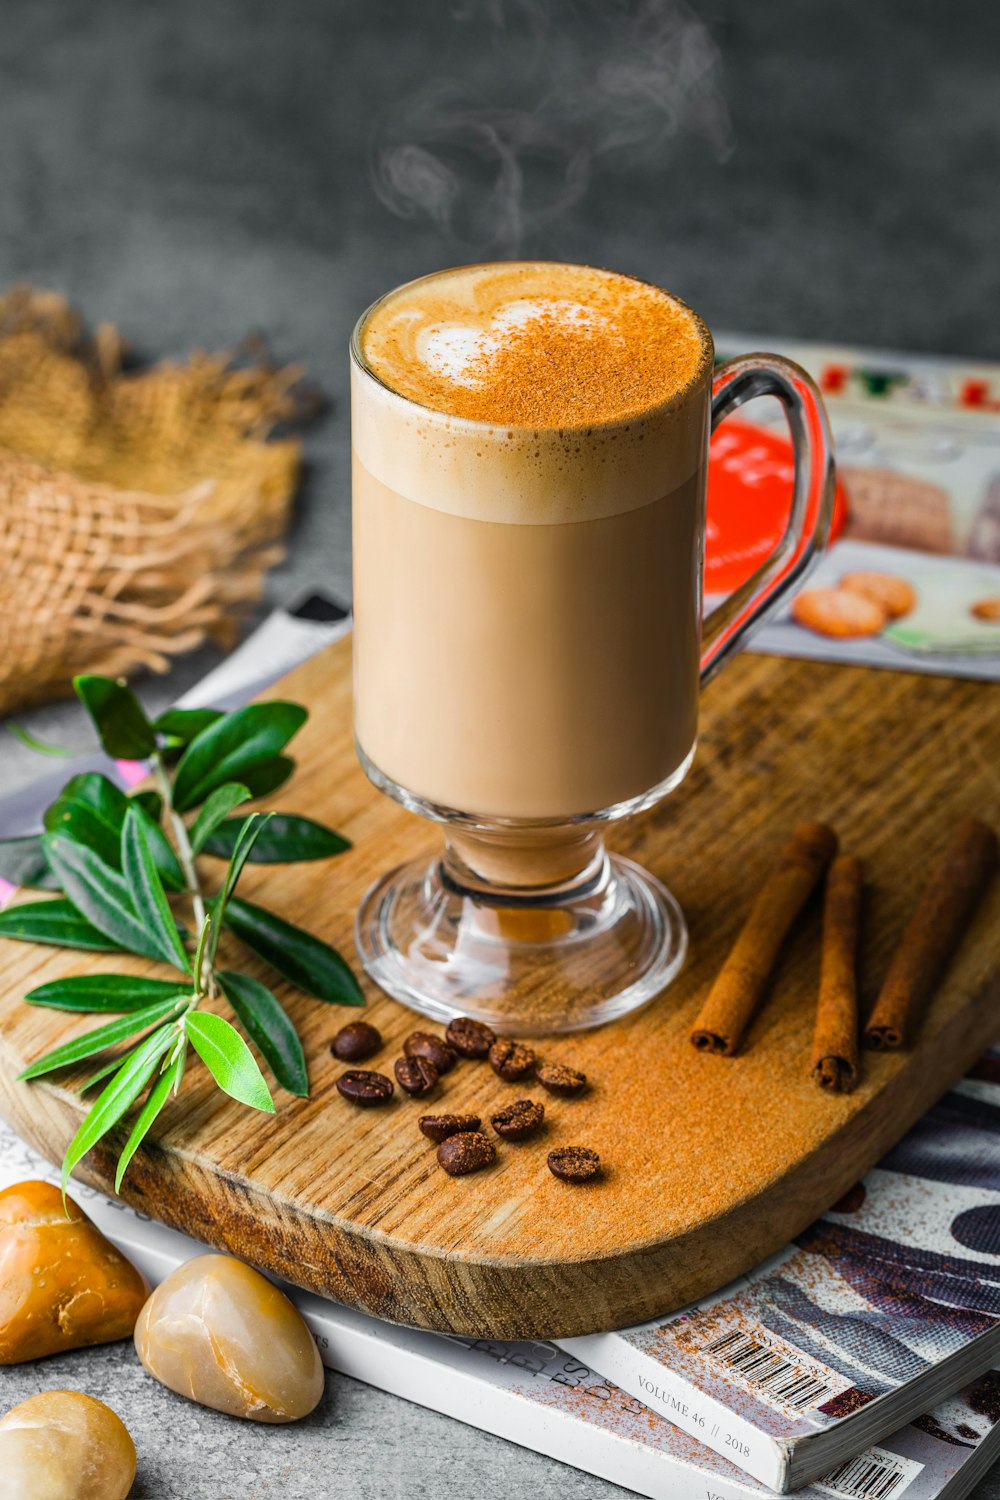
[469, 1151]
[559, 1079]
[511, 1060]
[356, 1043]
[439, 1127]
[415, 1075]
[515, 1122]
[470, 1038]
[364, 1088]
[437, 1051]
[574, 1163]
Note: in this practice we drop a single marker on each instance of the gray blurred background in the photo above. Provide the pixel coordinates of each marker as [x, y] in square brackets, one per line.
[199, 169]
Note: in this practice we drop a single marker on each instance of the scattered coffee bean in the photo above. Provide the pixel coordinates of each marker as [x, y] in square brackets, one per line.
[470, 1038]
[574, 1163]
[511, 1060]
[364, 1088]
[415, 1075]
[356, 1042]
[515, 1122]
[436, 1051]
[439, 1127]
[469, 1151]
[560, 1079]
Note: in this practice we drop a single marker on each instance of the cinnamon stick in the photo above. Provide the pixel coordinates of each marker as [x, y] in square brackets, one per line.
[835, 1040]
[736, 992]
[934, 931]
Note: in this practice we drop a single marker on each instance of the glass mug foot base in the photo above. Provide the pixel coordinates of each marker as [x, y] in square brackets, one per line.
[526, 963]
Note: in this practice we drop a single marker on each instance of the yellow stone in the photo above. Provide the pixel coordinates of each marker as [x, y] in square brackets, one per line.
[221, 1334]
[62, 1284]
[62, 1445]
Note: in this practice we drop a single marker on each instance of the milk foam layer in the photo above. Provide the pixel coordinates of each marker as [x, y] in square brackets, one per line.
[436, 346]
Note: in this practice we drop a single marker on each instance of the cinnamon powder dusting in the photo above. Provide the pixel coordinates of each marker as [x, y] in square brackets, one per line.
[536, 345]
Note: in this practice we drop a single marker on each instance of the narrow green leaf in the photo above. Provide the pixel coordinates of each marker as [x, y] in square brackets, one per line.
[287, 839]
[23, 862]
[182, 724]
[248, 835]
[148, 895]
[100, 894]
[101, 1038]
[151, 803]
[95, 1078]
[124, 1088]
[265, 1021]
[102, 992]
[91, 810]
[267, 775]
[236, 741]
[228, 1059]
[300, 957]
[155, 1101]
[33, 742]
[55, 922]
[217, 806]
[122, 727]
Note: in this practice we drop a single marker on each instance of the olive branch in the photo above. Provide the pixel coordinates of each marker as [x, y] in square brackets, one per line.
[114, 872]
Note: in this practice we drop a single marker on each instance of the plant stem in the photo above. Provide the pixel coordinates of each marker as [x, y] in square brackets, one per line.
[184, 851]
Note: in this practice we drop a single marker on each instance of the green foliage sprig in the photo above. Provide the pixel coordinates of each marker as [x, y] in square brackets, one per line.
[119, 881]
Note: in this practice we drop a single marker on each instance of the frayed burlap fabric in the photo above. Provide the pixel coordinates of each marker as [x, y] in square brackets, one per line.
[139, 511]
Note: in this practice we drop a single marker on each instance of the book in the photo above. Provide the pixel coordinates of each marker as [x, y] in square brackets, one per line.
[872, 1315]
[543, 1398]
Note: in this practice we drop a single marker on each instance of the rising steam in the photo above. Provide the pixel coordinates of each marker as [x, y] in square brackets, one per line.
[585, 80]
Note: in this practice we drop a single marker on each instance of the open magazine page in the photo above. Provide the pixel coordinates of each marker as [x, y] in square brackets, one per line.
[912, 580]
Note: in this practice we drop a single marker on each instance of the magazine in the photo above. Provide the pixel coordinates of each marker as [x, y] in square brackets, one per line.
[876, 1311]
[548, 1400]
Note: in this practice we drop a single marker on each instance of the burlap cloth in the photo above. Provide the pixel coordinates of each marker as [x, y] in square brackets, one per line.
[139, 511]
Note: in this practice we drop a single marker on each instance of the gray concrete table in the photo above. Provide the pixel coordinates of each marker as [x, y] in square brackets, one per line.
[193, 171]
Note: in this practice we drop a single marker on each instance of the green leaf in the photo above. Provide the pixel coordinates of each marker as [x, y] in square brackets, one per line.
[301, 958]
[91, 810]
[148, 895]
[100, 894]
[267, 775]
[264, 1020]
[124, 1088]
[23, 862]
[248, 834]
[95, 1078]
[122, 727]
[217, 806]
[182, 724]
[102, 1037]
[228, 1059]
[238, 740]
[287, 839]
[151, 803]
[32, 741]
[117, 993]
[56, 922]
[155, 1101]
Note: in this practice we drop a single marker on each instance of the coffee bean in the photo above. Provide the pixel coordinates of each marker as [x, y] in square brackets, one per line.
[439, 1127]
[560, 1079]
[436, 1051]
[511, 1060]
[470, 1038]
[515, 1122]
[356, 1042]
[574, 1163]
[364, 1088]
[415, 1075]
[469, 1151]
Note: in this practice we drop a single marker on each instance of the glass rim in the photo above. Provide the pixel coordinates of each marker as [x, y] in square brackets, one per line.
[704, 366]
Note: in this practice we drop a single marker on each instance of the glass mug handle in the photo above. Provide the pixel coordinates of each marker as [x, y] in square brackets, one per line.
[808, 528]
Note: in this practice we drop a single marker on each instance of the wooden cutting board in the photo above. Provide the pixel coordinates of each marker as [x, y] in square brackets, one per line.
[712, 1163]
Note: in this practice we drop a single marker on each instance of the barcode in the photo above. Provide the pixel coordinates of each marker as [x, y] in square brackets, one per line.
[771, 1372]
[874, 1475]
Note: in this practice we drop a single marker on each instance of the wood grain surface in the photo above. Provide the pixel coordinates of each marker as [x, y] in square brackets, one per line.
[712, 1162]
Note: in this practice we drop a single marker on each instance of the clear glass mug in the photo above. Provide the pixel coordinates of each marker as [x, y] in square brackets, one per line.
[526, 677]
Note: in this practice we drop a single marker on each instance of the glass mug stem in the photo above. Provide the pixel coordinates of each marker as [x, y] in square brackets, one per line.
[524, 921]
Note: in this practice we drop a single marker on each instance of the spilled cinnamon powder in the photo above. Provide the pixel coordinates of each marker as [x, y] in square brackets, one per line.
[536, 345]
